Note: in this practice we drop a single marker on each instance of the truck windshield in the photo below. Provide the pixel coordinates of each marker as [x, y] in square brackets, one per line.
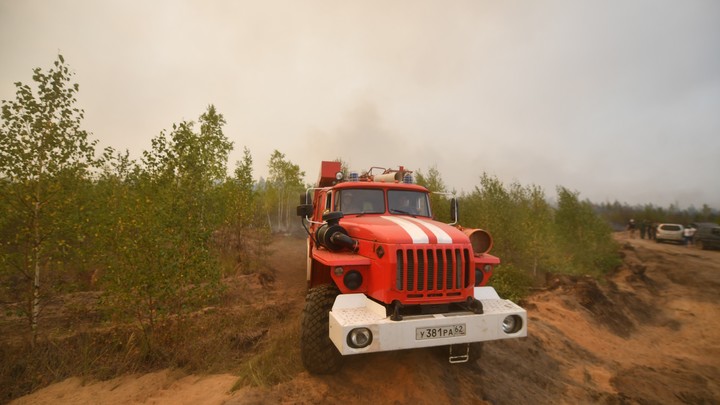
[360, 201]
[408, 203]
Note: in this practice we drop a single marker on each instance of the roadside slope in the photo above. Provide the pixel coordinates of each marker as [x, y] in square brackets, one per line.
[646, 334]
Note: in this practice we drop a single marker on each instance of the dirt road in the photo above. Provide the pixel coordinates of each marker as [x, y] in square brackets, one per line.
[649, 334]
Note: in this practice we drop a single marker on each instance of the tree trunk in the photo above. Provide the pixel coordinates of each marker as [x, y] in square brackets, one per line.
[35, 302]
[37, 249]
[287, 214]
[281, 210]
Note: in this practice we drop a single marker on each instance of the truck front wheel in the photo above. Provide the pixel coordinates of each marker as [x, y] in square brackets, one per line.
[318, 353]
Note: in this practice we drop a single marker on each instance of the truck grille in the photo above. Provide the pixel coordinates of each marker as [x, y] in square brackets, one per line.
[423, 270]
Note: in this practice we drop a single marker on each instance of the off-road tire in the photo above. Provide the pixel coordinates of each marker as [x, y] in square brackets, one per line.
[319, 355]
[699, 244]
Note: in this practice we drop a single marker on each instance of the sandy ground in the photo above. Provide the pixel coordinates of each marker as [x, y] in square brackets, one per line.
[648, 334]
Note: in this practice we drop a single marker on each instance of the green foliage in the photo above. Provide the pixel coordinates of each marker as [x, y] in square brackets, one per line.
[151, 234]
[246, 195]
[45, 159]
[511, 282]
[533, 238]
[159, 260]
[518, 218]
[284, 186]
[439, 199]
[41, 135]
[618, 215]
[242, 241]
[584, 236]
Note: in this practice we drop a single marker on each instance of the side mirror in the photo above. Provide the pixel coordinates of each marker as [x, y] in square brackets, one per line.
[454, 211]
[304, 210]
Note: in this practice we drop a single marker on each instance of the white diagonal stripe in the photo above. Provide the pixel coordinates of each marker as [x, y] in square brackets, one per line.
[416, 233]
[442, 236]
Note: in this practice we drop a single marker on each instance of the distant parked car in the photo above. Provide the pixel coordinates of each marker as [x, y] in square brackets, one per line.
[707, 235]
[669, 233]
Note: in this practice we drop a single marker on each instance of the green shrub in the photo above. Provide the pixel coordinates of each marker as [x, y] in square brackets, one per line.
[533, 238]
[511, 282]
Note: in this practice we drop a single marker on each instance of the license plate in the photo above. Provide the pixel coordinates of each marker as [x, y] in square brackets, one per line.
[438, 332]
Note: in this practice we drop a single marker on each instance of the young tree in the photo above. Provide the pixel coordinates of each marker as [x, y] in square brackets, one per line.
[244, 239]
[161, 262]
[586, 237]
[433, 181]
[43, 150]
[245, 191]
[285, 181]
[521, 223]
[193, 163]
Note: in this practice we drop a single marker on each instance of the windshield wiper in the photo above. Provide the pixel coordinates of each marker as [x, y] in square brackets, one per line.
[396, 211]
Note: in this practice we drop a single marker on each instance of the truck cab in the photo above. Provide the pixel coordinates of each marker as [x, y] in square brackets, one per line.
[384, 275]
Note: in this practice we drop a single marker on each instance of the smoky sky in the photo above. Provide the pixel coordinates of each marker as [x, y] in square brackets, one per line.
[618, 100]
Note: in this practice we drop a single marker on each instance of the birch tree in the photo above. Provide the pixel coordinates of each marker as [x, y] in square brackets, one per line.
[160, 260]
[42, 150]
[433, 181]
[284, 183]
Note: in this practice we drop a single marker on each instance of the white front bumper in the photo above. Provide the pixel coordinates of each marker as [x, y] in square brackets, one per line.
[352, 311]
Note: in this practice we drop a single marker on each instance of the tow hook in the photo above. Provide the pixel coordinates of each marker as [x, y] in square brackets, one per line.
[475, 305]
[459, 353]
[396, 305]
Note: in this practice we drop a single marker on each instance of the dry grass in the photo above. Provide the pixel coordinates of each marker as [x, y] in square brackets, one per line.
[276, 361]
[251, 332]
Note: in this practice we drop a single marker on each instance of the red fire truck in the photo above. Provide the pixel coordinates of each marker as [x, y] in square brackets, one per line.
[384, 275]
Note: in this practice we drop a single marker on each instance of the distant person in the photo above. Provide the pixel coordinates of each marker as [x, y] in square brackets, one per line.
[348, 205]
[692, 235]
[406, 206]
[643, 229]
[687, 235]
[651, 231]
[631, 228]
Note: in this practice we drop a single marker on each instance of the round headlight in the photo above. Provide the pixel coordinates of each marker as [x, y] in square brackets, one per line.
[512, 324]
[353, 279]
[359, 338]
